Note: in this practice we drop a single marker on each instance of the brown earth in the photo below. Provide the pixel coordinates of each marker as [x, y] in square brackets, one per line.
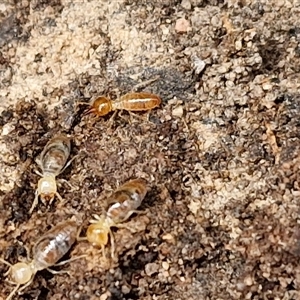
[221, 154]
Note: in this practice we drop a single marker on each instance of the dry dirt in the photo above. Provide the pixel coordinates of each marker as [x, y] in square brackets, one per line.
[221, 154]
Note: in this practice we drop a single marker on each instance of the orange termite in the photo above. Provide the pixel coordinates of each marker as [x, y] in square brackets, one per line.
[130, 102]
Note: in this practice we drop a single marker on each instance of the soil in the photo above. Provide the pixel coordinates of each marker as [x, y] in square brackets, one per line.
[221, 153]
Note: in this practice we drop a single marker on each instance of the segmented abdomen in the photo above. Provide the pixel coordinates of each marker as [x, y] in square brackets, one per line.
[55, 155]
[136, 102]
[50, 248]
[126, 199]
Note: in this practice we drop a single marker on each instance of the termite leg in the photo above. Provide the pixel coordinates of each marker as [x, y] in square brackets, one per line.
[13, 292]
[92, 121]
[60, 180]
[103, 251]
[125, 226]
[35, 202]
[61, 200]
[8, 264]
[138, 212]
[26, 285]
[11, 282]
[134, 116]
[38, 172]
[57, 272]
[78, 237]
[112, 244]
[111, 119]
[144, 117]
[5, 262]
[68, 163]
[7, 272]
[96, 219]
[67, 261]
[59, 197]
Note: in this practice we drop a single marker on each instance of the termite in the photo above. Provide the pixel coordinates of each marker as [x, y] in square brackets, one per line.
[133, 102]
[52, 162]
[47, 251]
[121, 205]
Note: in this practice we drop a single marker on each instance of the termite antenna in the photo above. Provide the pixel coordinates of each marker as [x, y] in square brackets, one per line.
[5, 262]
[78, 237]
[82, 103]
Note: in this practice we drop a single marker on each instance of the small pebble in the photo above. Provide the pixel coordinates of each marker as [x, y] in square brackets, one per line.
[177, 111]
[186, 4]
[182, 25]
[104, 296]
[267, 86]
[167, 236]
[125, 289]
[151, 269]
[223, 69]
[238, 45]
[165, 265]
[7, 129]
[248, 281]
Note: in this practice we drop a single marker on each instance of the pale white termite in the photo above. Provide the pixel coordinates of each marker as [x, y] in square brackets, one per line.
[121, 205]
[52, 162]
[47, 251]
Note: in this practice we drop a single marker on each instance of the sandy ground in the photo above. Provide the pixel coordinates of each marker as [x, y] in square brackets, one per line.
[221, 153]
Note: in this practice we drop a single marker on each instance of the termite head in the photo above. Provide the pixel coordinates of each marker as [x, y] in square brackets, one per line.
[21, 272]
[97, 232]
[47, 187]
[101, 106]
